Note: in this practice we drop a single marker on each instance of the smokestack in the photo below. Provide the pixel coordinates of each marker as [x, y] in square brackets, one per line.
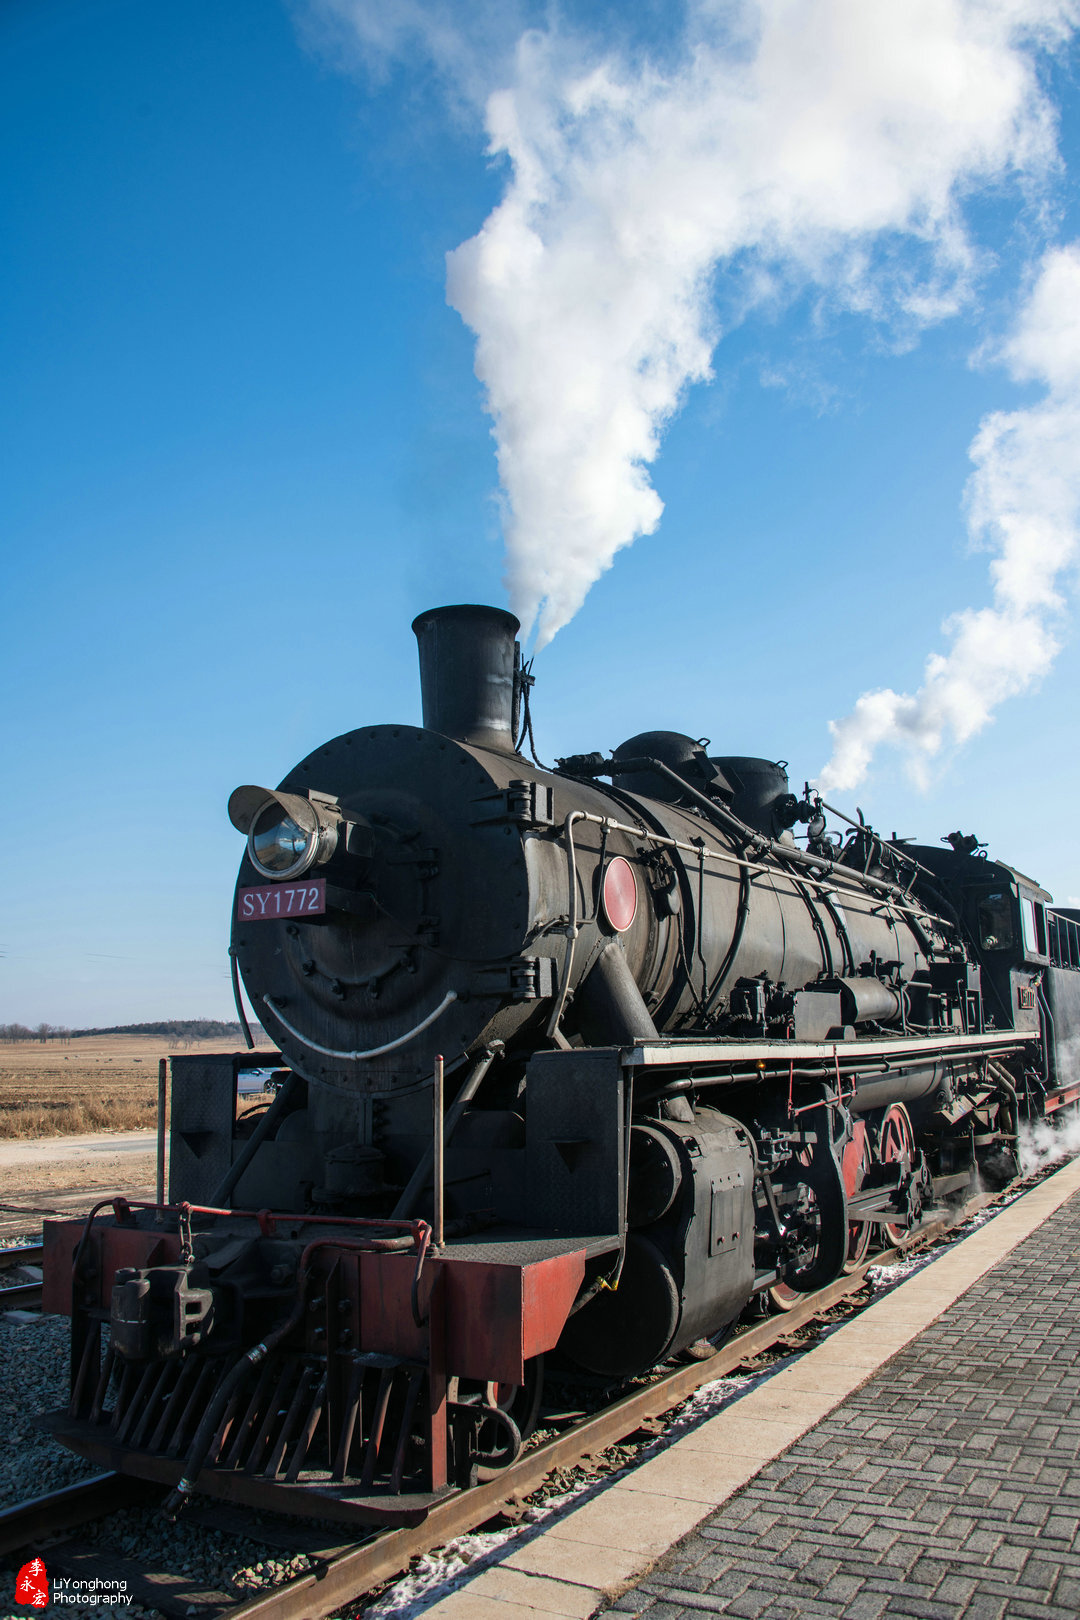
[467, 663]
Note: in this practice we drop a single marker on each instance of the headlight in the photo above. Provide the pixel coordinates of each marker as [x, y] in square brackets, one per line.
[286, 834]
[278, 845]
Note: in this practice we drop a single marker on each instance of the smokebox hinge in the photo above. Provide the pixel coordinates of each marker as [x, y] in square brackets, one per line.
[529, 978]
[529, 804]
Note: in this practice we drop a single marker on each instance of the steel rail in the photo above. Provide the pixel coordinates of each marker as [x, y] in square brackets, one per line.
[50, 1515]
[24, 1295]
[20, 1297]
[28, 1254]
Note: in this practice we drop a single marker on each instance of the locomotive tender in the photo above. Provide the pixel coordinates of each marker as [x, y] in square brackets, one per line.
[575, 1063]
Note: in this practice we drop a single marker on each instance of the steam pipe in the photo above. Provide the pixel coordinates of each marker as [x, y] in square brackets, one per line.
[234, 974]
[610, 1003]
[373, 1051]
[572, 924]
[731, 823]
[883, 843]
[438, 1152]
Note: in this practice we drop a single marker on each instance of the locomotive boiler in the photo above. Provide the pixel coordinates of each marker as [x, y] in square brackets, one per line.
[574, 1064]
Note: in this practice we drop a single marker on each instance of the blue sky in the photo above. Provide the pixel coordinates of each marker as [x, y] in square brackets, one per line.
[243, 445]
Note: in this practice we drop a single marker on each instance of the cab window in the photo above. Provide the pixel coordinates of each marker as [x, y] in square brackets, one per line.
[1033, 918]
[1041, 940]
[994, 913]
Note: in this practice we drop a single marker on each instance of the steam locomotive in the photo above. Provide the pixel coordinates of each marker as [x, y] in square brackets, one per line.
[574, 1064]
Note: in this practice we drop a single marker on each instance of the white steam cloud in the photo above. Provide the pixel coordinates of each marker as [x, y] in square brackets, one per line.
[778, 144]
[1043, 1143]
[1024, 505]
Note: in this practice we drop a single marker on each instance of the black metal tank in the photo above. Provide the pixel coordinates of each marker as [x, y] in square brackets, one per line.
[471, 897]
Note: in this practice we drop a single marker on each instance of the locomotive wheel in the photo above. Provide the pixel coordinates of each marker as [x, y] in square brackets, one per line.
[782, 1296]
[860, 1237]
[896, 1144]
[822, 1192]
[857, 1160]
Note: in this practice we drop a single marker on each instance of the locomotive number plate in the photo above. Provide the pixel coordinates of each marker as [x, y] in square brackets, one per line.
[271, 900]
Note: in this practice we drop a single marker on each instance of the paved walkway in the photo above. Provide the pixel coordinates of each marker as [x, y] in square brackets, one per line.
[922, 1462]
[948, 1486]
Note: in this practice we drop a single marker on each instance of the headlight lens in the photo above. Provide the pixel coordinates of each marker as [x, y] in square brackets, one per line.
[278, 845]
[287, 833]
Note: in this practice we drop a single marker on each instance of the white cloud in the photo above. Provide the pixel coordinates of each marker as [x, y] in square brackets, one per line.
[468, 44]
[780, 142]
[1024, 506]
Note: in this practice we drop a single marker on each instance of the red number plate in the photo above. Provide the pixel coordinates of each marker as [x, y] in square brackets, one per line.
[272, 900]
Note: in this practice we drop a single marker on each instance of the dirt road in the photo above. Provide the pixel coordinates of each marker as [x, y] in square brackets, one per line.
[69, 1173]
[39, 1154]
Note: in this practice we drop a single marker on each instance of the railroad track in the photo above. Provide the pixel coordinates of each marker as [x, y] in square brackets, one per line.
[340, 1571]
[25, 1214]
[25, 1294]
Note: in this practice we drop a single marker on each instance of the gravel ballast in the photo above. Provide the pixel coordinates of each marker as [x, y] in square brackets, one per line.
[33, 1379]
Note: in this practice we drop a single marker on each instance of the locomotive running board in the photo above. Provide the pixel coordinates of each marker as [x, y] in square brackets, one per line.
[906, 1048]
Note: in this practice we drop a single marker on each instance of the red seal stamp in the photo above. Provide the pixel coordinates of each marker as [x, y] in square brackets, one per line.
[32, 1585]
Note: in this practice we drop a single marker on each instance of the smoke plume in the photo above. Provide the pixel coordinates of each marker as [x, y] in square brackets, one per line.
[1024, 506]
[775, 145]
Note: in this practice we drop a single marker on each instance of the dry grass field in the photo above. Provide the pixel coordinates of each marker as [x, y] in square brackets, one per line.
[92, 1083]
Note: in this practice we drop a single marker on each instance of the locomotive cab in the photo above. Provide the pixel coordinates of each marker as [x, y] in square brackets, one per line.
[1003, 917]
[1062, 990]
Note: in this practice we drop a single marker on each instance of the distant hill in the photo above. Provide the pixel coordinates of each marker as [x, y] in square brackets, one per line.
[177, 1029]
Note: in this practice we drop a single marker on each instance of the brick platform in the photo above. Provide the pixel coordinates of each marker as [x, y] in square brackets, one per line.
[946, 1488]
